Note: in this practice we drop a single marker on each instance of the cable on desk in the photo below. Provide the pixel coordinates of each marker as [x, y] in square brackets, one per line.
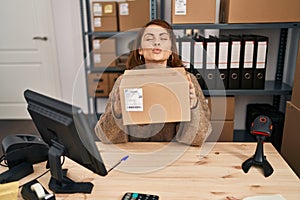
[42, 174]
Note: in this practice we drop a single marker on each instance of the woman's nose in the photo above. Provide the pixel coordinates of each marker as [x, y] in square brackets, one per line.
[156, 43]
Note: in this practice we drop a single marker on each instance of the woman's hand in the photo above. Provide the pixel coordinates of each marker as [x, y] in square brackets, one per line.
[193, 97]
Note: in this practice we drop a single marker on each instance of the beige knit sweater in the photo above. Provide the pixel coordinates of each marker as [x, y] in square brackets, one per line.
[110, 129]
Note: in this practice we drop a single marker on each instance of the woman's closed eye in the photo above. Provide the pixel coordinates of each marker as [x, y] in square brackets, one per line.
[149, 37]
[164, 38]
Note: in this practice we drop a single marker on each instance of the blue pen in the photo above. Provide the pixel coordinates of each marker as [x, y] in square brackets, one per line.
[123, 159]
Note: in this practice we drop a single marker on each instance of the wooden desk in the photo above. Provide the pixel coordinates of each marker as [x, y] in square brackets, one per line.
[186, 176]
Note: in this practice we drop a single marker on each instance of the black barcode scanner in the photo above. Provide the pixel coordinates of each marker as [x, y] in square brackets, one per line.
[262, 128]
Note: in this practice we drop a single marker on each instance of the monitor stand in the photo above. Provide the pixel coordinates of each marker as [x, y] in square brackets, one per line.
[59, 182]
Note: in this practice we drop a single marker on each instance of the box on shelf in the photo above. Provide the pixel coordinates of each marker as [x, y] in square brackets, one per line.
[222, 118]
[290, 143]
[222, 131]
[104, 16]
[193, 11]
[155, 96]
[133, 14]
[259, 11]
[112, 77]
[98, 84]
[104, 9]
[221, 108]
[296, 86]
[104, 45]
[105, 24]
[104, 59]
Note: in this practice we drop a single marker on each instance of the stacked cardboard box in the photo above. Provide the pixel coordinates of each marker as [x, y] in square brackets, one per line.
[104, 16]
[222, 118]
[104, 52]
[133, 14]
[259, 11]
[290, 143]
[193, 11]
[119, 16]
[101, 84]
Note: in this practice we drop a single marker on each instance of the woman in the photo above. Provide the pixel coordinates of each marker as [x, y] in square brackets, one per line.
[155, 48]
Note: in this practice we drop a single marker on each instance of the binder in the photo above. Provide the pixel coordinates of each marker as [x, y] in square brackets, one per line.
[210, 47]
[261, 50]
[222, 62]
[185, 44]
[198, 60]
[234, 63]
[247, 56]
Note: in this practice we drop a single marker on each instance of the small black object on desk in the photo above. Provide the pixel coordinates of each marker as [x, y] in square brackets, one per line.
[28, 193]
[262, 128]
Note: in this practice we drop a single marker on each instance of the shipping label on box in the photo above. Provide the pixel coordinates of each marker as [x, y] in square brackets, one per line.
[123, 9]
[133, 98]
[104, 9]
[155, 96]
[180, 7]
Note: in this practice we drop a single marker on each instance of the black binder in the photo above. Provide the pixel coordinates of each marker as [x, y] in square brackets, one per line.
[234, 63]
[198, 60]
[210, 62]
[261, 51]
[248, 62]
[222, 62]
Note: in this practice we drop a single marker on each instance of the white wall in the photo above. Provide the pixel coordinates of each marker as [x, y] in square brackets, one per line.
[67, 24]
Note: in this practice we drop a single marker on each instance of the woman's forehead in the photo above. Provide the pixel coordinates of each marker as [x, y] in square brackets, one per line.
[155, 29]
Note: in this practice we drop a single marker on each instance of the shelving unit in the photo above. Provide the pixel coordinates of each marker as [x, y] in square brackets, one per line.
[271, 88]
[87, 37]
[276, 87]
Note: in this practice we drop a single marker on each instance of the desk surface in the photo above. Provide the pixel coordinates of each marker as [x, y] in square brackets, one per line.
[181, 172]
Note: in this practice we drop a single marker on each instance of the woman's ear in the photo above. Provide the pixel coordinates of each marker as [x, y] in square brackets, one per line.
[140, 52]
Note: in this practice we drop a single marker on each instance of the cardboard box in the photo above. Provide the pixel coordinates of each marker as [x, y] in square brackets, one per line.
[105, 24]
[220, 112]
[104, 45]
[259, 11]
[104, 59]
[133, 14]
[290, 142]
[98, 84]
[155, 96]
[222, 131]
[296, 87]
[104, 9]
[193, 11]
[112, 77]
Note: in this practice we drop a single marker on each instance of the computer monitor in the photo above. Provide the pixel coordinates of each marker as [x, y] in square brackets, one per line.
[65, 129]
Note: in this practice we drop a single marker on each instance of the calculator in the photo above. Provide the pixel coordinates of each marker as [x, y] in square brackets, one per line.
[139, 196]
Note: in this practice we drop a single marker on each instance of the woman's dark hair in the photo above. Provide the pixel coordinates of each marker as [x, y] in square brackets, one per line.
[135, 59]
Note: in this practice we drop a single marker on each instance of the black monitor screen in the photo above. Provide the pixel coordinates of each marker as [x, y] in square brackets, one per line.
[65, 124]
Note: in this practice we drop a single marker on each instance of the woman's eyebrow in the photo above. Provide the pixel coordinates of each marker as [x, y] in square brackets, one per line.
[163, 34]
[148, 34]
